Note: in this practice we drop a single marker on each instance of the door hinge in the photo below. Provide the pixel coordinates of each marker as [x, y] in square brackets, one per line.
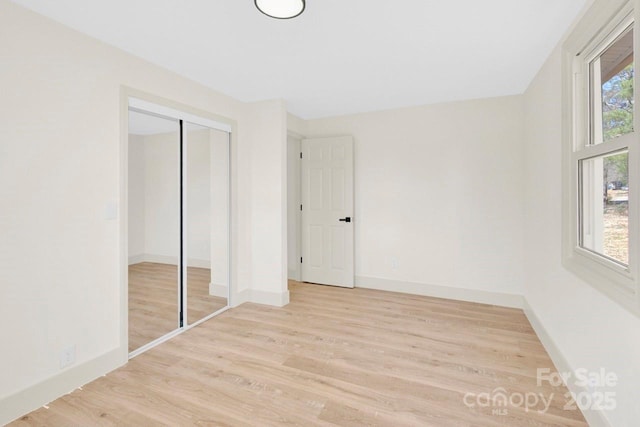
[300, 207]
[300, 260]
[301, 155]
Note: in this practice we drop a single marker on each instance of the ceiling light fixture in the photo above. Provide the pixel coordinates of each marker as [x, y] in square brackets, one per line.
[281, 9]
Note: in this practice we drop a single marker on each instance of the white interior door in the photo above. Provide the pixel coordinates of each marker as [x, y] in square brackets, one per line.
[327, 211]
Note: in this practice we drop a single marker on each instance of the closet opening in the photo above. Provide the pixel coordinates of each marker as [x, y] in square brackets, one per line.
[178, 216]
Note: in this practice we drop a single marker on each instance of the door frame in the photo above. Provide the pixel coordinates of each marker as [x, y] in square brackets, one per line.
[130, 97]
[294, 199]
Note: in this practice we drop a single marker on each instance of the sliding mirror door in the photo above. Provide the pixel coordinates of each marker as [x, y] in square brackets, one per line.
[206, 216]
[154, 227]
[178, 222]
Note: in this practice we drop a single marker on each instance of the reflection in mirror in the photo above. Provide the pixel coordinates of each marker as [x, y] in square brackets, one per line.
[206, 183]
[154, 227]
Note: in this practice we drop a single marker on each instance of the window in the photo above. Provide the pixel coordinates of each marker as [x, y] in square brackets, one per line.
[600, 220]
[611, 81]
[604, 208]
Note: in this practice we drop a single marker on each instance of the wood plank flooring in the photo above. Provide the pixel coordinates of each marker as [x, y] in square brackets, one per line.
[333, 356]
[153, 300]
[200, 303]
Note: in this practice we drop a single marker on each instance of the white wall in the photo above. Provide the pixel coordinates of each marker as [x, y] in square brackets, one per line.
[198, 192]
[60, 260]
[439, 197]
[154, 210]
[296, 126]
[137, 186]
[269, 202]
[219, 208]
[589, 330]
[162, 197]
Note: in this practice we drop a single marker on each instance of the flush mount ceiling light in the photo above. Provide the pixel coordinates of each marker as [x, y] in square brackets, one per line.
[281, 9]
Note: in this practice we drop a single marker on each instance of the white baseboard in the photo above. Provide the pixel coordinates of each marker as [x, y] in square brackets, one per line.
[594, 418]
[198, 263]
[240, 297]
[218, 290]
[171, 260]
[461, 294]
[278, 299]
[136, 259]
[160, 259]
[32, 398]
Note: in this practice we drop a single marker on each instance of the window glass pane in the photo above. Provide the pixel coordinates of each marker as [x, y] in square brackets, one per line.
[605, 205]
[612, 90]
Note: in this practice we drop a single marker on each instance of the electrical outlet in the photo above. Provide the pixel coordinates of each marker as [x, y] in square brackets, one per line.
[68, 356]
[394, 263]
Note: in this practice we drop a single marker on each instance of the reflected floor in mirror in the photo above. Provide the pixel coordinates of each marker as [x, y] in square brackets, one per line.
[200, 303]
[153, 300]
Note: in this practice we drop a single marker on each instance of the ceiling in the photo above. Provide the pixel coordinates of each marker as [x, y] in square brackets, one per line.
[339, 56]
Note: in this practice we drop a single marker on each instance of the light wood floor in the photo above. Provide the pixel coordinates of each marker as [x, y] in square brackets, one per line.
[333, 356]
[153, 300]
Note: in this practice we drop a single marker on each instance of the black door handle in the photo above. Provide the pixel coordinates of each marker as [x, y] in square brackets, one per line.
[347, 219]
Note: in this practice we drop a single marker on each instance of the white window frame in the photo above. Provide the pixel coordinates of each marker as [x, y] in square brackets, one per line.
[601, 25]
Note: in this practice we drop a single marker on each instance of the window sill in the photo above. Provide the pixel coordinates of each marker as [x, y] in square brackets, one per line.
[611, 279]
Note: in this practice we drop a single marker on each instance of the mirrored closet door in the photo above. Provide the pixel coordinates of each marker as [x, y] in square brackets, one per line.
[154, 227]
[206, 205]
[178, 224]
